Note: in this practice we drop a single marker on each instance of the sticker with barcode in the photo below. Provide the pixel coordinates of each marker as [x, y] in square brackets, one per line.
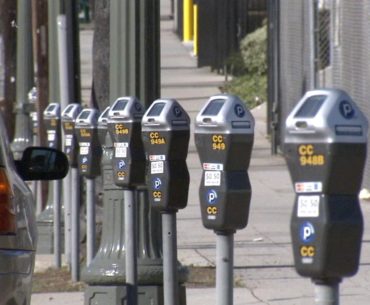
[157, 167]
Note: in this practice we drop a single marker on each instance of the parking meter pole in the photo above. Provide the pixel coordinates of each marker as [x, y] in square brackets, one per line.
[57, 223]
[75, 226]
[224, 269]
[170, 273]
[327, 293]
[67, 198]
[90, 219]
[131, 246]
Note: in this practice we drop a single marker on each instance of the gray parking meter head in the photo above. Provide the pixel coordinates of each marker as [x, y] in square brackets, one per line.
[52, 122]
[325, 137]
[90, 151]
[103, 125]
[325, 149]
[326, 116]
[165, 134]
[224, 135]
[69, 115]
[124, 125]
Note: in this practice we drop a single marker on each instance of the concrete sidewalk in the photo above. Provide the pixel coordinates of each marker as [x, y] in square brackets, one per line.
[263, 257]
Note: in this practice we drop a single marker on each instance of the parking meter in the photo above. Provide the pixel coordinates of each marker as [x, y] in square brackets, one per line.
[69, 115]
[52, 124]
[224, 134]
[124, 126]
[325, 149]
[103, 125]
[90, 149]
[165, 134]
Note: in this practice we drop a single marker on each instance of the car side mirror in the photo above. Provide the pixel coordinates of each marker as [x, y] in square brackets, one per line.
[42, 163]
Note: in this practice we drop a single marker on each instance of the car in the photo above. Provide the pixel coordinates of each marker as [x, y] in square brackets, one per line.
[18, 229]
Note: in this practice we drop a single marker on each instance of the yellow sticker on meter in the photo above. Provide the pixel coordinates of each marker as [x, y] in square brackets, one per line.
[308, 157]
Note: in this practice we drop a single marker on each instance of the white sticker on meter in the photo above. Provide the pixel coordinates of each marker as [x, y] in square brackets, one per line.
[156, 167]
[157, 157]
[213, 166]
[120, 150]
[68, 141]
[308, 206]
[51, 136]
[84, 150]
[212, 178]
[308, 187]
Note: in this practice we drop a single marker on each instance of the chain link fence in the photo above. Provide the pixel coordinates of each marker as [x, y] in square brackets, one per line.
[333, 42]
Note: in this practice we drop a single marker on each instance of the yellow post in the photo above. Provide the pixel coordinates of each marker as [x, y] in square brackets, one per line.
[188, 20]
[195, 29]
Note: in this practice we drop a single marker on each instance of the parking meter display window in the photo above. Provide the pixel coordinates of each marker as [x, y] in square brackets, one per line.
[213, 107]
[156, 109]
[310, 108]
[50, 108]
[120, 105]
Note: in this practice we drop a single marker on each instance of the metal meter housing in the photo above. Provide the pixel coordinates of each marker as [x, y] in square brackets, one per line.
[69, 115]
[124, 126]
[166, 134]
[51, 116]
[224, 136]
[90, 151]
[325, 148]
[103, 125]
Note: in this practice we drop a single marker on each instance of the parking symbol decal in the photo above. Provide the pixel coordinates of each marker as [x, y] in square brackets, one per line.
[346, 110]
[307, 232]
[239, 110]
[157, 183]
[212, 196]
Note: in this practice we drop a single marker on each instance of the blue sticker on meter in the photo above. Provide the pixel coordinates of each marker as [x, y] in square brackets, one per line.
[346, 109]
[157, 183]
[307, 232]
[239, 110]
[212, 196]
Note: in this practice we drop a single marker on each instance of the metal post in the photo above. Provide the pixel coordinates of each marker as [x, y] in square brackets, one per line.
[170, 276]
[75, 226]
[131, 246]
[224, 269]
[57, 224]
[23, 131]
[67, 198]
[90, 219]
[312, 50]
[327, 293]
